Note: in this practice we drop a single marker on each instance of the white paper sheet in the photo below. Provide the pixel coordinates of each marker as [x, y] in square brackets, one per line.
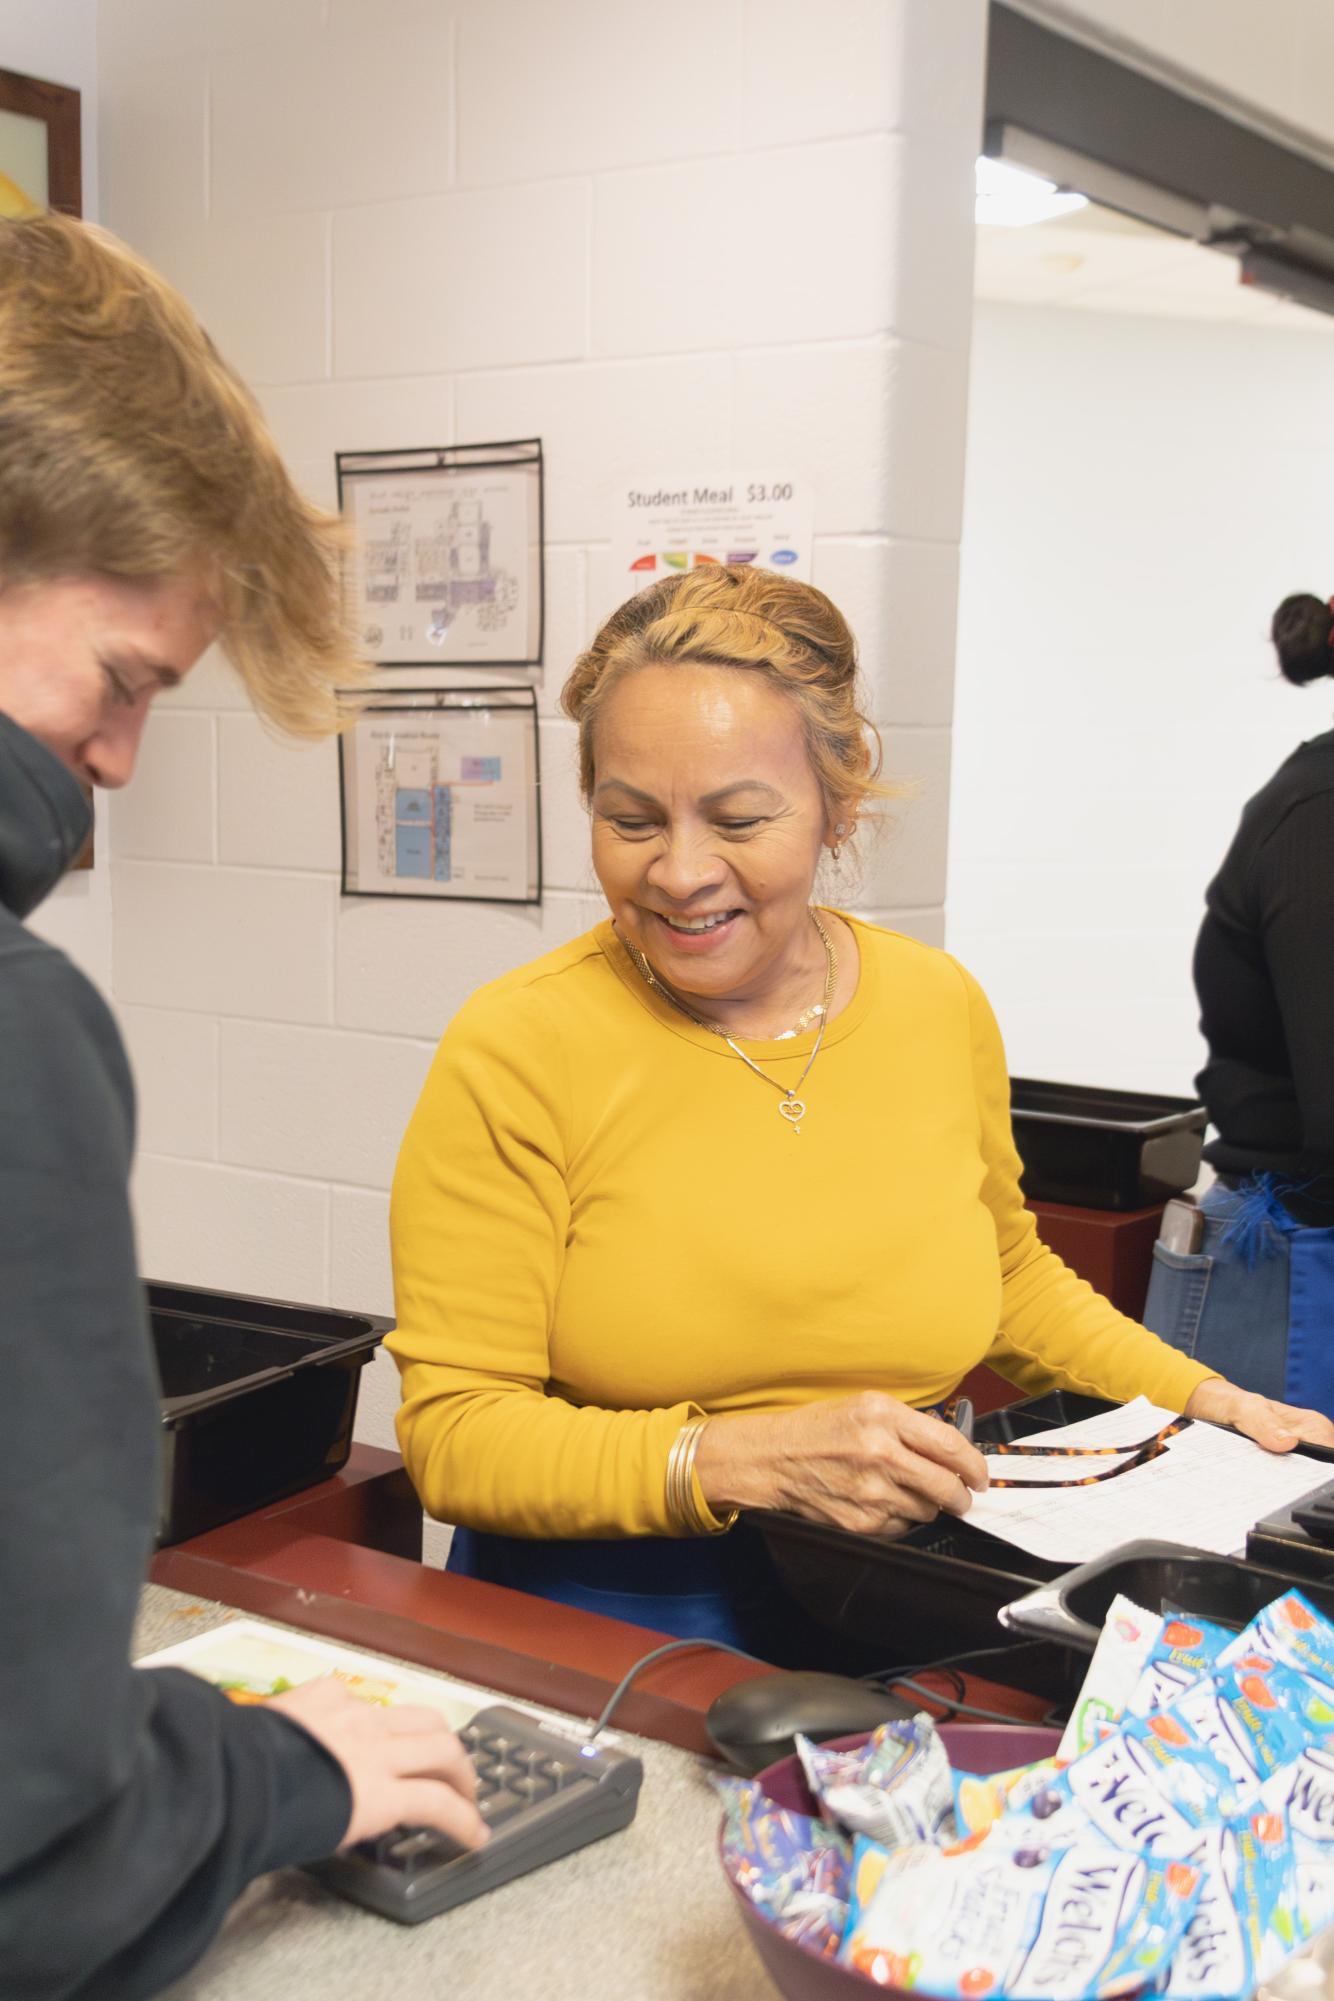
[1206, 1490]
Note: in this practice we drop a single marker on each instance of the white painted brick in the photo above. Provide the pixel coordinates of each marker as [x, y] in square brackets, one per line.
[567, 628]
[565, 90]
[899, 598]
[602, 421]
[154, 167]
[377, 1401]
[277, 799]
[361, 1280]
[843, 196]
[463, 281]
[167, 812]
[903, 861]
[606, 586]
[175, 1062]
[200, 1224]
[928, 925]
[326, 121]
[820, 73]
[131, 30]
[213, 683]
[261, 289]
[862, 66]
[313, 421]
[223, 941]
[935, 241]
[567, 862]
[824, 411]
[319, 1103]
[405, 968]
[928, 409]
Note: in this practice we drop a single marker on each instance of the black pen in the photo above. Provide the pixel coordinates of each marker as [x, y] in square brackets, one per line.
[961, 1417]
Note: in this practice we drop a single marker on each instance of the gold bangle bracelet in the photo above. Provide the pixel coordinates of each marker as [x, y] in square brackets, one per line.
[685, 1508]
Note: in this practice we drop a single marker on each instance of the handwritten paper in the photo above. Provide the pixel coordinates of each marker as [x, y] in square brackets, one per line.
[1206, 1490]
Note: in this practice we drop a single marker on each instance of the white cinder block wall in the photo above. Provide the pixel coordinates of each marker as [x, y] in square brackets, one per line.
[740, 234]
[56, 40]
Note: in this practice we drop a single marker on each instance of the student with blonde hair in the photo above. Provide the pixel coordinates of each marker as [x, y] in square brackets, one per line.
[144, 512]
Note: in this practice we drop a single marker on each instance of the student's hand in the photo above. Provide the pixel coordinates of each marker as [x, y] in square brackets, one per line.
[405, 1766]
[867, 1463]
[1277, 1426]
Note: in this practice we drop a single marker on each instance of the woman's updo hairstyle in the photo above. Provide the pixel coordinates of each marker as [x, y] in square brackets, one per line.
[1303, 632]
[730, 615]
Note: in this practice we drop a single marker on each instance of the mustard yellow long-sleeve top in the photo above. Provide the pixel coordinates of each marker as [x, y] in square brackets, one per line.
[603, 1227]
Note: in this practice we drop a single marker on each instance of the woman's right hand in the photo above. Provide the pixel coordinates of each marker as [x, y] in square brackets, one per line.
[868, 1463]
[404, 1766]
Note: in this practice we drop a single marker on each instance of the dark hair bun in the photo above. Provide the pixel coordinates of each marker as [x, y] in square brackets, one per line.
[1302, 629]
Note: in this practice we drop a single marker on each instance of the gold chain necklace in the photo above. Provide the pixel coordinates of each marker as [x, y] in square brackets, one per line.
[790, 1106]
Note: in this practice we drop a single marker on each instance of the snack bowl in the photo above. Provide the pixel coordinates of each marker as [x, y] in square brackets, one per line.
[799, 1971]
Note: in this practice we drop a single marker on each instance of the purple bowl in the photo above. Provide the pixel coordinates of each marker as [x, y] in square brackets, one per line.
[797, 1970]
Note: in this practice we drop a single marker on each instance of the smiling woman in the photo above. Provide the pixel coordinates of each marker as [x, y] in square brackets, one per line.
[706, 1210]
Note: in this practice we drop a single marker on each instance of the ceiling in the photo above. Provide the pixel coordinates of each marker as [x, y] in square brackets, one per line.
[1101, 262]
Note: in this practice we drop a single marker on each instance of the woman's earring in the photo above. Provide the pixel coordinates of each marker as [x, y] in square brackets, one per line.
[837, 848]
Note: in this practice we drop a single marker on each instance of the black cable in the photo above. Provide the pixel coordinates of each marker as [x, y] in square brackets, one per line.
[945, 1661]
[722, 1646]
[955, 1708]
[646, 1660]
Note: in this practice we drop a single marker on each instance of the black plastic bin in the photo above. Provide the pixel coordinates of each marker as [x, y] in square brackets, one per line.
[1099, 1149]
[258, 1400]
[937, 1590]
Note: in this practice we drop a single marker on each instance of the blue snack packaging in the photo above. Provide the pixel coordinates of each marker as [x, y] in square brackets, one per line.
[1088, 1920]
[1245, 1870]
[1153, 1786]
[1254, 1717]
[1290, 1630]
[1182, 1651]
[793, 1868]
[897, 1788]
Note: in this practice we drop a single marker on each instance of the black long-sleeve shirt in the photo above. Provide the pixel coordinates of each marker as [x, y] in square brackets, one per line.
[134, 1804]
[1264, 972]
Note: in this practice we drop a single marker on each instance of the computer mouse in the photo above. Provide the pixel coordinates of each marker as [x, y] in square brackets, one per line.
[754, 1723]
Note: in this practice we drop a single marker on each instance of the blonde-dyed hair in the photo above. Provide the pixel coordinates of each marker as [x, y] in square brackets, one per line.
[730, 615]
[130, 450]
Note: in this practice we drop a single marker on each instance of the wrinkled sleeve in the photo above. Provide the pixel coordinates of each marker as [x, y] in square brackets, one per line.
[1296, 883]
[134, 1804]
[1055, 1331]
[479, 1219]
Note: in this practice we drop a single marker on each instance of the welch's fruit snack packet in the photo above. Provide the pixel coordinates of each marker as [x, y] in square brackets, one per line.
[1028, 1923]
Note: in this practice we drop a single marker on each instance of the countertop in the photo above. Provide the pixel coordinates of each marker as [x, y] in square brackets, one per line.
[643, 1916]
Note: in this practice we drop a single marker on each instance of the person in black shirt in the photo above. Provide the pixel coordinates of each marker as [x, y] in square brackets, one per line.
[1255, 1299]
[143, 511]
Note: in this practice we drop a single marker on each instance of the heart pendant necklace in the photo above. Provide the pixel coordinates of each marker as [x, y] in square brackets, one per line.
[790, 1106]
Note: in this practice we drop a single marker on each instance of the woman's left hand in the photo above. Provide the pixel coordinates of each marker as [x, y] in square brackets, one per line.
[1277, 1426]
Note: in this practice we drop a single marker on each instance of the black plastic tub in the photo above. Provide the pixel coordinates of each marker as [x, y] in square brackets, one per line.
[1070, 1608]
[258, 1400]
[1100, 1149]
[939, 1589]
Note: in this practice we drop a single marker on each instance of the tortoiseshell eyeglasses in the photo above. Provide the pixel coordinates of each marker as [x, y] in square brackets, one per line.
[1134, 1455]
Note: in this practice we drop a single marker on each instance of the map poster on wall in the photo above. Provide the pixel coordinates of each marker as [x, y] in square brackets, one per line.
[441, 797]
[663, 524]
[446, 562]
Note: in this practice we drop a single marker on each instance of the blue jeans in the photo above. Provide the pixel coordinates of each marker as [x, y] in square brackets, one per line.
[1256, 1301]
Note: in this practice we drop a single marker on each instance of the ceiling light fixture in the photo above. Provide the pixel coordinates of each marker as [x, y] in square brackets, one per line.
[1008, 197]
